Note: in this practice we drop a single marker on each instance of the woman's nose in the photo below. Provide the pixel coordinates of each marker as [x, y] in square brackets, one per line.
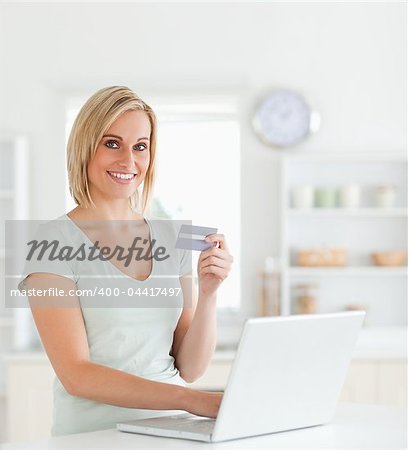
[127, 157]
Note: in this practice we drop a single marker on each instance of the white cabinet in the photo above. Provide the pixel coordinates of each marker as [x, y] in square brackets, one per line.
[392, 382]
[372, 381]
[376, 381]
[29, 398]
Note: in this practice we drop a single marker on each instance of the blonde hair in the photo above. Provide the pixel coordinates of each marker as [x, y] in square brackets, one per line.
[93, 120]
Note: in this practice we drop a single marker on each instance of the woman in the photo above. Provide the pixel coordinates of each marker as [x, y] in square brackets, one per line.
[116, 364]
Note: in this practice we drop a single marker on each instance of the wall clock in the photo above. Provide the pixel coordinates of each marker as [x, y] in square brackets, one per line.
[283, 119]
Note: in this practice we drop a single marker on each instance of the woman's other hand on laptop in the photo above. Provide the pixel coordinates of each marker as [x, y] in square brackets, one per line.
[204, 404]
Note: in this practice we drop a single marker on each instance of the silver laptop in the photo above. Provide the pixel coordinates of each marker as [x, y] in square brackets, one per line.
[288, 373]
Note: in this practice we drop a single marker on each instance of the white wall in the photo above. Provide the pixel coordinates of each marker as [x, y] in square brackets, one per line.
[349, 59]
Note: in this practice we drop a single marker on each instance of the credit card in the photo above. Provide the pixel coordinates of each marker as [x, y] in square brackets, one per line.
[191, 237]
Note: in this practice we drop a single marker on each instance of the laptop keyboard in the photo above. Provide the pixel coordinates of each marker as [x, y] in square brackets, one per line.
[193, 425]
[196, 425]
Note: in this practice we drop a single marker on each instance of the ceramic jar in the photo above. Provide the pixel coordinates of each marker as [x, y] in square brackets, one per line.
[385, 196]
[303, 196]
[349, 196]
[326, 197]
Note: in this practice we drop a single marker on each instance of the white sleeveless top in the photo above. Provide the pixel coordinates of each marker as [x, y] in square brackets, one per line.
[135, 339]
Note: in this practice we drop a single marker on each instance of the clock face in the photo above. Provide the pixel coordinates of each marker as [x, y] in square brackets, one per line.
[283, 119]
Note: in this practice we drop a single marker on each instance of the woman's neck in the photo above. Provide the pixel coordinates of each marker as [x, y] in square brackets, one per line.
[112, 210]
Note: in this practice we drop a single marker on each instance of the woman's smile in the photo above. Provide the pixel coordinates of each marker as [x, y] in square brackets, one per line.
[122, 177]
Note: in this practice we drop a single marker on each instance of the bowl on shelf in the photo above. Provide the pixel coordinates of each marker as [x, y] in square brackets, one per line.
[324, 257]
[391, 258]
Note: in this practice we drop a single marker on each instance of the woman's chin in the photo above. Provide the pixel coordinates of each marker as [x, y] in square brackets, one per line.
[118, 194]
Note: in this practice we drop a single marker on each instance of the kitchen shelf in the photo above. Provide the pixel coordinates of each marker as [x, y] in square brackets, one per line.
[344, 212]
[348, 271]
[359, 231]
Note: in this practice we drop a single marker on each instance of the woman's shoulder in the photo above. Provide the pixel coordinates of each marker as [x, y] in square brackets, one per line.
[46, 229]
[60, 230]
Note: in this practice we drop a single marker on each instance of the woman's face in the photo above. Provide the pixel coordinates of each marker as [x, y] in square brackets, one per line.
[122, 157]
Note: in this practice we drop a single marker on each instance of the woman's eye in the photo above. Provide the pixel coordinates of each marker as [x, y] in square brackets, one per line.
[110, 144]
[144, 146]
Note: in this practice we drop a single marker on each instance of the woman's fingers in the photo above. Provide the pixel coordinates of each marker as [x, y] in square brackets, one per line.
[216, 260]
[218, 238]
[213, 260]
[214, 270]
[220, 253]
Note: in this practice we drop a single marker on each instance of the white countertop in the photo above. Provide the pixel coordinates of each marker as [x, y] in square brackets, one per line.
[354, 426]
[381, 343]
[373, 343]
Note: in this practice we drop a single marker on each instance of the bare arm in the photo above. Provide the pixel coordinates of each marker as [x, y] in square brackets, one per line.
[63, 334]
[195, 335]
